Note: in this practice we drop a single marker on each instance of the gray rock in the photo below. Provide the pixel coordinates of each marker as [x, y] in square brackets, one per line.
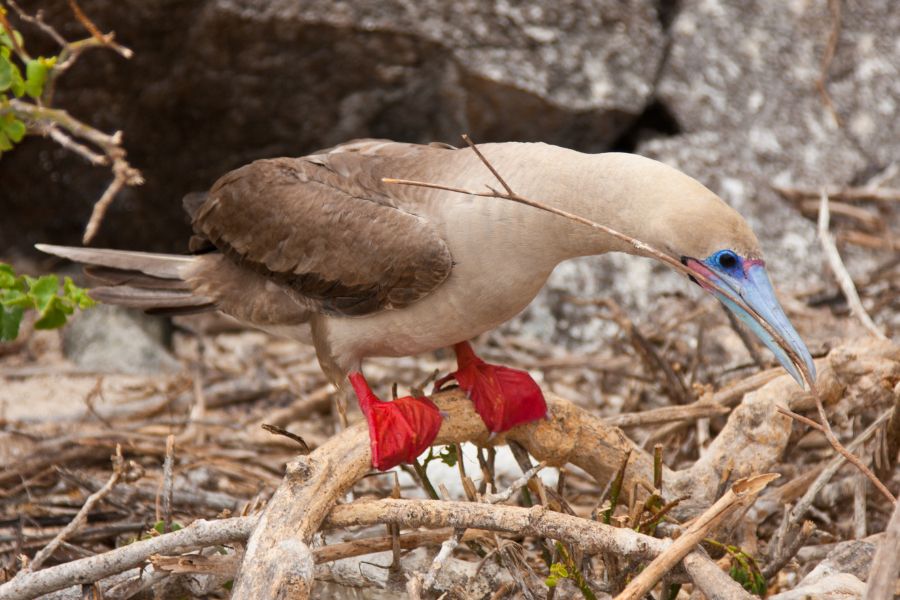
[217, 83]
[741, 81]
[116, 340]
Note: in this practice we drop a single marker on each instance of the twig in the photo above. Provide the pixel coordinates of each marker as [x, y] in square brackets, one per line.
[701, 409]
[276, 430]
[800, 509]
[787, 551]
[844, 280]
[103, 39]
[830, 49]
[168, 484]
[798, 417]
[516, 485]
[475, 149]
[743, 492]
[836, 444]
[82, 515]
[711, 580]
[371, 545]
[38, 21]
[198, 534]
[883, 575]
[847, 194]
[450, 544]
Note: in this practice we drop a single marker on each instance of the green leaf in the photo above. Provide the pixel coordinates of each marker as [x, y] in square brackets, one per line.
[6, 69]
[36, 71]
[10, 318]
[8, 278]
[43, 289]
[5, 40]
[448, 456]
[54, 314]
[14, 129]
[18, 84]
[559, 570]
[76, 295]
[17, 299]
[5, 144]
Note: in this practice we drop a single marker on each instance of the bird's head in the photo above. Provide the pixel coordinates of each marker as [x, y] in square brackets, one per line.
[723, 256]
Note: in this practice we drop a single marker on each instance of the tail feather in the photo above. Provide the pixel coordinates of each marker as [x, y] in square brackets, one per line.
[111, 277]
[149, 281]
[167, 266]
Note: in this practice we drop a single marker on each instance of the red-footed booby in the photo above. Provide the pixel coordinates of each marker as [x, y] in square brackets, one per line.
[322, 250]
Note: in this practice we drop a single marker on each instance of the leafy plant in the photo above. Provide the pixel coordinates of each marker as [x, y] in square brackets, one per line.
[744, 569]
[566, 568]
[12, 82]
[21, 293]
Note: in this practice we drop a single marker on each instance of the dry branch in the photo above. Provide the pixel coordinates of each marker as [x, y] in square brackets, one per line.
[591, 536]
[198, 534]
[314, 483]
[82, 515]
[837, 267]
[883, 576]
[742, 493]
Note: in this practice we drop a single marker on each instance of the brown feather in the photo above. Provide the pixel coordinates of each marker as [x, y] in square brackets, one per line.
[325, 227]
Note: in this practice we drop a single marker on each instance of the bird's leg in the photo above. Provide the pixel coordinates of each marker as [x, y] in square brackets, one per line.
[400, 430]
[503, 397]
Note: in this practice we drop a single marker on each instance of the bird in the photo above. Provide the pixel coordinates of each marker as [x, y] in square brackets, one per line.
[328, 250]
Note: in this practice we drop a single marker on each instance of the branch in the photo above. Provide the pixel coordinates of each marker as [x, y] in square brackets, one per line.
[742, 493]
[81, 517]
[314, 483]
[844, 280]
[198, 534]
[883, 575]
[590, 536]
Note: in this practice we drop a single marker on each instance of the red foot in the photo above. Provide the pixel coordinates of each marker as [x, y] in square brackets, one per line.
[399, 431]
[503, 397]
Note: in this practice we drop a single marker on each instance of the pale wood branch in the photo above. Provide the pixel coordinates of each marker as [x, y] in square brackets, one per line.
[836, 264]
[742, 493]
[81, 517]
[198, 534]
[590, 536]
[883, 577]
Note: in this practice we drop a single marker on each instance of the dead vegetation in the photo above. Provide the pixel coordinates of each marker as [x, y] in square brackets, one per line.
[618, 481]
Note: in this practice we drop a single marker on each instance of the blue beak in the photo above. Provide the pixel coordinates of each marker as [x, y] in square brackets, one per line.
[750, 287]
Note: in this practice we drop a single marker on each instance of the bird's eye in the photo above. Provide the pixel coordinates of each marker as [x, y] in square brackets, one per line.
[727, 259]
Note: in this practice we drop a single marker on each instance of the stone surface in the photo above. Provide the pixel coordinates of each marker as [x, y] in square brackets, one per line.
[725, 90]
[217, 83]
[741, 80]
[111, 339]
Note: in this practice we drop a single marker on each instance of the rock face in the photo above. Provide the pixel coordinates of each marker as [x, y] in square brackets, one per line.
[111, 339]
[726, 90]
[742, 80]
[217, 83]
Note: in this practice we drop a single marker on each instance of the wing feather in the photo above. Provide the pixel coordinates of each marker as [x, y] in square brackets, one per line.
[326, 227]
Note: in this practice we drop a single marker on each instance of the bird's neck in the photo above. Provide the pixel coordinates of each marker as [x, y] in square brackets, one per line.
[613, 190]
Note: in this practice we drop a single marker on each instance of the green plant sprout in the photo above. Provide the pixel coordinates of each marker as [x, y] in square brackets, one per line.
[21, 293]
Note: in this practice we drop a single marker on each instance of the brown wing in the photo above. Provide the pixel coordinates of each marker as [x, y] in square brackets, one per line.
[324, 227]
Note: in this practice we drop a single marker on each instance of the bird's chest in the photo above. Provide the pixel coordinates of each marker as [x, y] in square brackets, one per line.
[478, 296]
